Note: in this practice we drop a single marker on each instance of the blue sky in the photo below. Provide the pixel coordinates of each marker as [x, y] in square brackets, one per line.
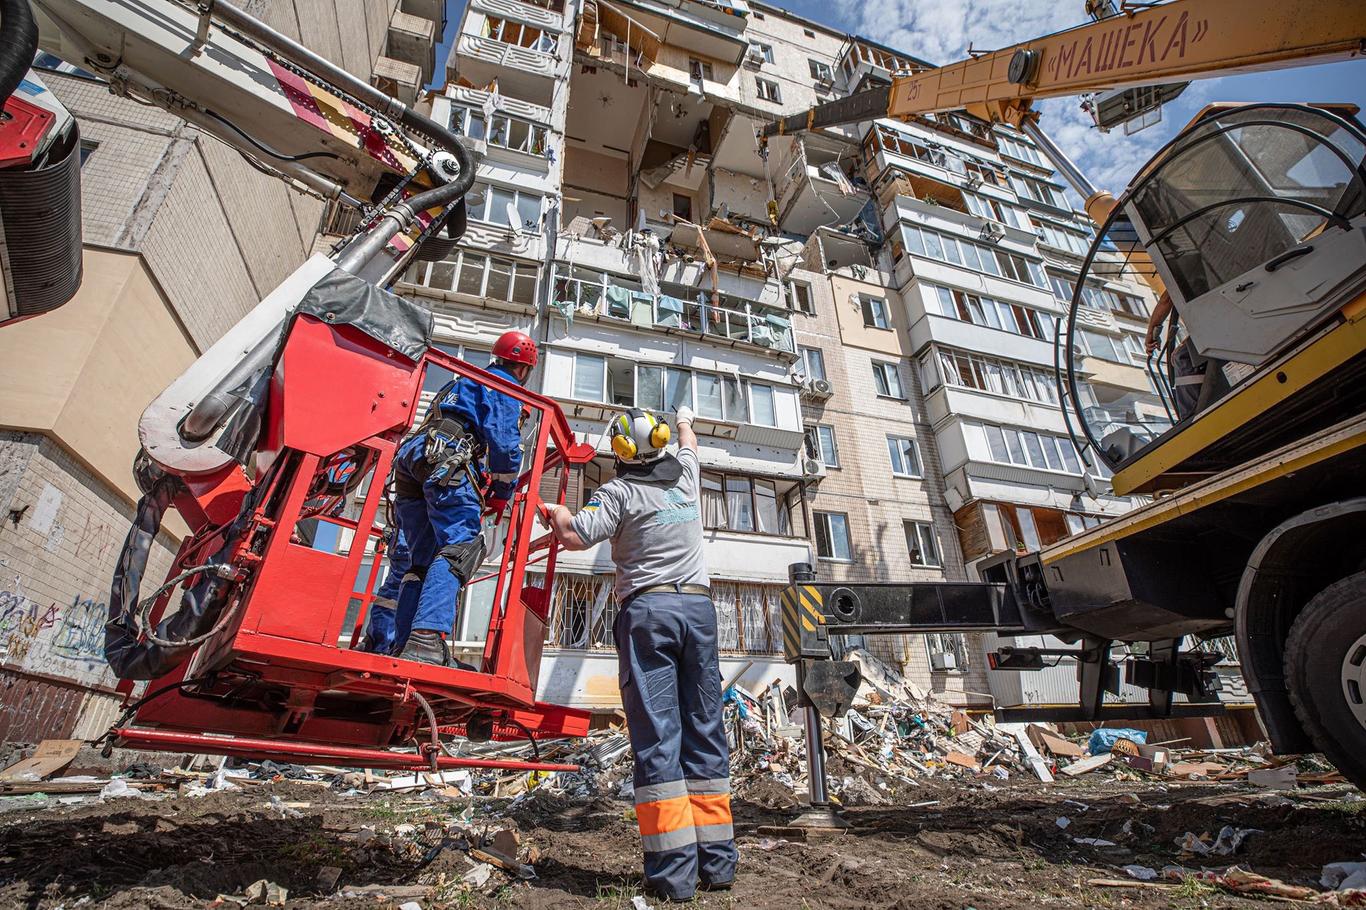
[940, 31]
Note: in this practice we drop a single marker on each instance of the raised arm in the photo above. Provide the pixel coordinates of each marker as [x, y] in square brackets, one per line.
[687, 439]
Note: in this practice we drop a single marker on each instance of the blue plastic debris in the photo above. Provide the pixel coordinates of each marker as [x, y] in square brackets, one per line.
[1103, 740]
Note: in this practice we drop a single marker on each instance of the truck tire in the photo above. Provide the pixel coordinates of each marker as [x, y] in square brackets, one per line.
[1325, 672]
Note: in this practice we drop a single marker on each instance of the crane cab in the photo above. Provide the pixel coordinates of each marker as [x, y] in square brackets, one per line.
[1253, 221]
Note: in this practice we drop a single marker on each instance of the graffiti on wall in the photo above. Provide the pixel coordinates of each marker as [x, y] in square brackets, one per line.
[66, 639]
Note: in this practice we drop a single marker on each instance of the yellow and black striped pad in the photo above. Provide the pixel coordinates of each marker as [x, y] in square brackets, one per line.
[804, 623]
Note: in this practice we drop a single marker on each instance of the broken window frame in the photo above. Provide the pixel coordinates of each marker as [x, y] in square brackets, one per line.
[821, 444]
[768, 90]
[470, 272]
[921, 540]
[813, 362]
[907, 451]
[534, 138]
[887, 381]
[519, 34]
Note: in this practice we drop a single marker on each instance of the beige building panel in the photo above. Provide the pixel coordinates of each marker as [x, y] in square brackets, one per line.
[59, 560]
[121, 346]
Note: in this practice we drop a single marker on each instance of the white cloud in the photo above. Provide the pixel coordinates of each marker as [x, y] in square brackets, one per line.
[941, 32]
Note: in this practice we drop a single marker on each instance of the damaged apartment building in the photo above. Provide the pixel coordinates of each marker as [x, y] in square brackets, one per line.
[863, 318]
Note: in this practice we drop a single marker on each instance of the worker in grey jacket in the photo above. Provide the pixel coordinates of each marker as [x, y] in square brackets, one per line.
[666, 645]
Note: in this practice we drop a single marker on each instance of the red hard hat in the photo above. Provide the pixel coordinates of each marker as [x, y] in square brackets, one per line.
[516, 347]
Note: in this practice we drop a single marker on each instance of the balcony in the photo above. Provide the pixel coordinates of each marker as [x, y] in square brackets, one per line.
[864, 63]
[397, 78]
[412, 39]
[734, 321]
[527, 72]
[435, 10]
[815, 185]
[542, 15]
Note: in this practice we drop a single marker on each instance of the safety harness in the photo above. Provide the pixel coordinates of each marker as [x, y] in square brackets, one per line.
[451, 454]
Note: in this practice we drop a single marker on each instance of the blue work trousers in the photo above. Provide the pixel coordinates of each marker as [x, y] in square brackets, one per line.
[670, 678]
[380, 627]
[446, 515]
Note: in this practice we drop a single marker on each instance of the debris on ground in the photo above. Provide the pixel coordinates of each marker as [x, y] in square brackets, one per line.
[943, 802]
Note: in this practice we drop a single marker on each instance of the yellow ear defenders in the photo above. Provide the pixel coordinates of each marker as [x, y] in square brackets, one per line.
[623, 438]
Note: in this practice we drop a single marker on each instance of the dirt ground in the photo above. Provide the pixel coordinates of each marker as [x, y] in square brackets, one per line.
[940, 845]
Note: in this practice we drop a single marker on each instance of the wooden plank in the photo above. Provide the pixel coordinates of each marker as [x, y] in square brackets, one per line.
[51, 756]
[963, 761]
[1089, 763]
[1052, 743]
[1031, 755]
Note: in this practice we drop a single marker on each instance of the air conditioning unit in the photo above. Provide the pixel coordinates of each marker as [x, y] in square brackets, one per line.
[813, 467]
[944, 660]
[974, 181]
[992, 232]
[754, 57]
[817, 388]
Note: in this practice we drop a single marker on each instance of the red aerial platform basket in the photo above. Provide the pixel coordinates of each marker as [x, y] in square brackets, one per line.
[279, 676]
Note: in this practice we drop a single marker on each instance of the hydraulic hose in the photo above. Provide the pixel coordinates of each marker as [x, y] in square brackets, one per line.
[391, 107]
[18, 44]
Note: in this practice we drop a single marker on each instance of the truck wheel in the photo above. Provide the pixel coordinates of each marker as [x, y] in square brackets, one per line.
[1325, 671]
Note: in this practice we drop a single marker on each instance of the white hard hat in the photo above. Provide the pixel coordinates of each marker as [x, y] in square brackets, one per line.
[638, 436]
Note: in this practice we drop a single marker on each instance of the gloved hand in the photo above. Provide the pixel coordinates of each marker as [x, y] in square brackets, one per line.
[683, 415]
[496, 506]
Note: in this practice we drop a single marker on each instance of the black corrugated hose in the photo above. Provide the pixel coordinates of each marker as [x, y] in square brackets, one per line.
[18, 44]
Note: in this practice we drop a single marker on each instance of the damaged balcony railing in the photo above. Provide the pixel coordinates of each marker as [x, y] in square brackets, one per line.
[752, 323]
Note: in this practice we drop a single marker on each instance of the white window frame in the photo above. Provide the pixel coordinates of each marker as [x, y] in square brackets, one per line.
[819, 70]
[798, 289]
[518, 196]
[761, 388]
[487, 132]
[808, 354]
[765, 50]
[768, 90]
[888, 371]
[924, 532]
[918, 468]
[581, 359]
[830, 459]
[876, 307]
[819, 518]
[459, 265]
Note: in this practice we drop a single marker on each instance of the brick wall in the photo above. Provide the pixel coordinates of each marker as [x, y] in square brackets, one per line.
[61, 530]
[864, 489]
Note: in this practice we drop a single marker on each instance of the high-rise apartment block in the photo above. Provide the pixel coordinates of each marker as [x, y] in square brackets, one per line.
[863, 317]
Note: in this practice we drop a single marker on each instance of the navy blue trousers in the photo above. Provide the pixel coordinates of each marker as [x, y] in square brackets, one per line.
[670, 678]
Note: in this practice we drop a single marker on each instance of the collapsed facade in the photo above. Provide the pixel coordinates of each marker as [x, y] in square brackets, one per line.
[863, 319]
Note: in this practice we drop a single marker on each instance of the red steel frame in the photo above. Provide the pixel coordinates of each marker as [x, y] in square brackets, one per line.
[272, 682]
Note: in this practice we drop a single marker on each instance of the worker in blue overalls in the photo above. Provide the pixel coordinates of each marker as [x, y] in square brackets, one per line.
[440, 497]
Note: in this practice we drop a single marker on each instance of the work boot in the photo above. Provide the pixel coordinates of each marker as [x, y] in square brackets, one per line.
[429, 647]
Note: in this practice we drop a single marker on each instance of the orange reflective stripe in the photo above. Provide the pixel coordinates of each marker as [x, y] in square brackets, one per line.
[710, 809]
[661, 816]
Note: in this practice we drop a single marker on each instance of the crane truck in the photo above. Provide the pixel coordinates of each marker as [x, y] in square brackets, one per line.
[1252, 221]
